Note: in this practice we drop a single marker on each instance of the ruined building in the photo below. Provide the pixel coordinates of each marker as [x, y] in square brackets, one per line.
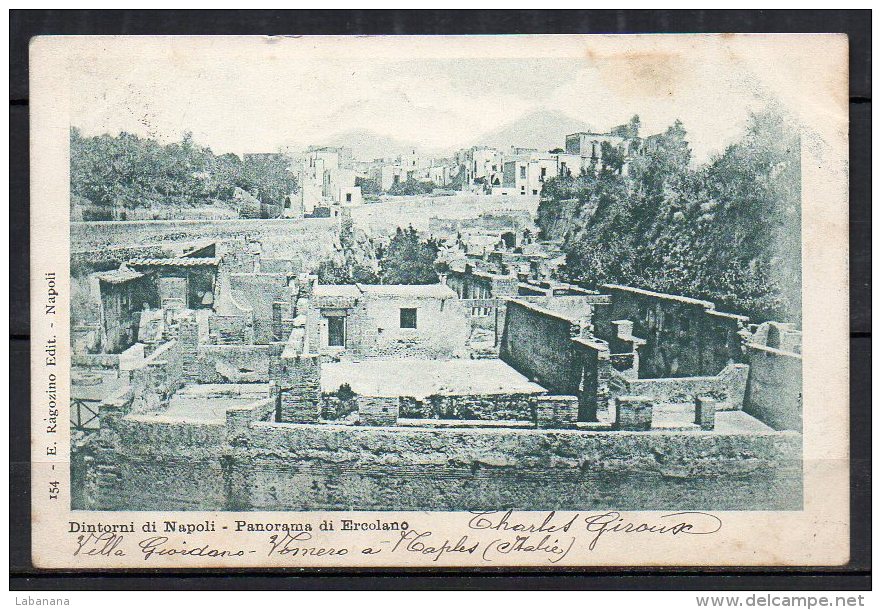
[230, 381]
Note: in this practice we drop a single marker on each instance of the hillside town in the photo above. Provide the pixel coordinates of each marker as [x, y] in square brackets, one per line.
[404, 334]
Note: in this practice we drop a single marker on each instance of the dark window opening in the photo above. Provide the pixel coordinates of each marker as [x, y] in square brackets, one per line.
[336, 332]
[408, 317]
[348, 197]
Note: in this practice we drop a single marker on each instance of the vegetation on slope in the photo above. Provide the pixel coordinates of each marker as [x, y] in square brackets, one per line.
[127, 172]
[728, 230]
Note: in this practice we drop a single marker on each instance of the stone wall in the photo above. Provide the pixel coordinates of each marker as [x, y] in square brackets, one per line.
[107, 361]
[728, 388]
[490, 407]
[774, 389]
[251, 463]
[229, 364]
[154, 379]
[594, 392]
[684, 337]
[260, 290]
[142, 463]
[298, 378]
[538, 343]
[378, 410]
[231, 330]
[556, 412]
[345, 467]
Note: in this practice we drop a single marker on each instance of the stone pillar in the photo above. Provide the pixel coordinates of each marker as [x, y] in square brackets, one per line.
[299, 382]
[734, 379]
[188, 338]
[633, 413]
[276, 349]
[604, 375]
[277, 330]
[556, 411]
[705, 412]
[378, 410]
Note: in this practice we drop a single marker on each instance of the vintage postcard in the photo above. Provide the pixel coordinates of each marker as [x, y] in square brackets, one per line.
[450, 301]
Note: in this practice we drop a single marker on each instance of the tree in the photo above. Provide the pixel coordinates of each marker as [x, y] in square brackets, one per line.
[128, 172]
[412, 187]
[356, 262]
[408, 260]
[727, 231]
[368, 186]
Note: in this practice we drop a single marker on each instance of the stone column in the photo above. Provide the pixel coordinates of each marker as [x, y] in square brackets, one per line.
[556, 412]
[705, 412]
[378, 410]
[633, 413]
[277, 331]
[188, 338]
[298, 378]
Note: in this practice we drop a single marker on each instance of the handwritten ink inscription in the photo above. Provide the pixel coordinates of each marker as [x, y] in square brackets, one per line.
[489, 537]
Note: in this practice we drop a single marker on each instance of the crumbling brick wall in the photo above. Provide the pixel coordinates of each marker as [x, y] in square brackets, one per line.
[230, 364]
[728, 388]
[488, 407]
[298, 379]
[231, 330]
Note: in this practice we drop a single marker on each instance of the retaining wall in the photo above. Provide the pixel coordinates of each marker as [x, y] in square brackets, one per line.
[774, 389]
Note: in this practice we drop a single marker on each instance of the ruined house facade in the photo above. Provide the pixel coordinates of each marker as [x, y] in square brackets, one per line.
[382, 321]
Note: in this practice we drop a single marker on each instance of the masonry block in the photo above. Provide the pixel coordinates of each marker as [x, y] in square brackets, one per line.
[556, 411]
[277, 328]
[378, 410]
[299, 382]
[633, 413]
[705, 412]
[734, 377]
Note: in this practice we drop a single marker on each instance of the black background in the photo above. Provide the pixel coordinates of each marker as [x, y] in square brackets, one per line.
[857, 24]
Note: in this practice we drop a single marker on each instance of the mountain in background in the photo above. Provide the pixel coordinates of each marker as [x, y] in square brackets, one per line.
[543, 130]
[367, 145]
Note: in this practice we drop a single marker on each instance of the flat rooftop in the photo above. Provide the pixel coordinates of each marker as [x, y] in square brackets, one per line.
[208, 403]
[421, 378]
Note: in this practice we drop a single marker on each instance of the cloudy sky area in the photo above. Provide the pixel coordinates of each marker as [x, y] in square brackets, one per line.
[246, 102]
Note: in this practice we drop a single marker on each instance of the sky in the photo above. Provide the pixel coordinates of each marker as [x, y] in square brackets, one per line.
[265, 94]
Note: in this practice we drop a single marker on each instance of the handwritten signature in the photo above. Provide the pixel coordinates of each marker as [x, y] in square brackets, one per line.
[611, 522]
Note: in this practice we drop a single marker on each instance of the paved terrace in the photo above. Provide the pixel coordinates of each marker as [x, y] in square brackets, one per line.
[208, 403]
[421, 378]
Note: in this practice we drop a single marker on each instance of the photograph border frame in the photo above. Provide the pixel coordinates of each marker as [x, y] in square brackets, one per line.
[856, 24]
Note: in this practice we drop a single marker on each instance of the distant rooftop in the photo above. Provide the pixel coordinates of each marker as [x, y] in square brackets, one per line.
[120, 276]
[337, 290]
[428, 291]
[416, 291]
